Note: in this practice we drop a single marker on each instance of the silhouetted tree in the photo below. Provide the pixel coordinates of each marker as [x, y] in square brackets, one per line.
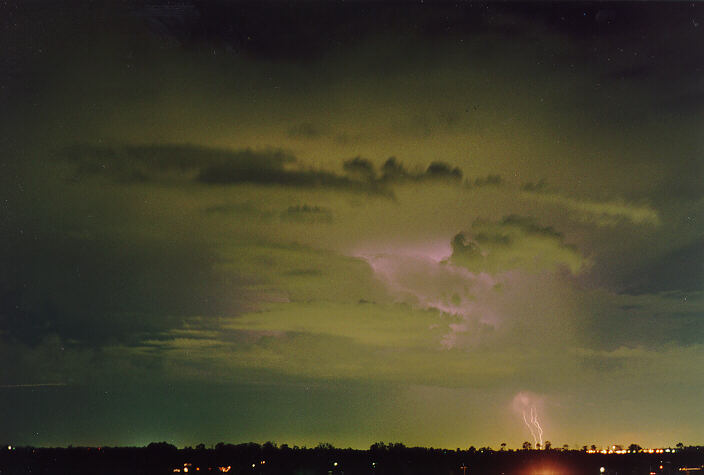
[527, 445]
[377, 447]
[635, 447]
[388, 459]
[162, 447]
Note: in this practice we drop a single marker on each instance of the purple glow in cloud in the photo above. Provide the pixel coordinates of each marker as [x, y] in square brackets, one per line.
[422, 276]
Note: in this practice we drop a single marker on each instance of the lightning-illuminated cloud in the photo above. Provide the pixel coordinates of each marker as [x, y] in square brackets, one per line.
[516, 242]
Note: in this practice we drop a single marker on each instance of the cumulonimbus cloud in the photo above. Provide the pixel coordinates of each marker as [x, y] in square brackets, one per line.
[514, 243]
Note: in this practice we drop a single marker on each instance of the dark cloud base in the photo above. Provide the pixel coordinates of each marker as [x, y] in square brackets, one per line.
[210, 166]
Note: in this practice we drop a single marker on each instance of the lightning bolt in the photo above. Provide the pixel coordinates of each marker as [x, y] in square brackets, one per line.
[534, 427]
[530, 426]
[536, 423]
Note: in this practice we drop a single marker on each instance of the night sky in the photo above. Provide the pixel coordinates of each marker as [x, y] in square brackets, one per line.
[351, 222]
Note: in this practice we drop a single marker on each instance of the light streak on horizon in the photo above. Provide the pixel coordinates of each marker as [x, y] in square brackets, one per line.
[534, 423]
[534, 419]
[530, 428]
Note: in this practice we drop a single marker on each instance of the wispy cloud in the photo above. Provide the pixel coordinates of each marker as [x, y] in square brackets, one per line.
[601, 213]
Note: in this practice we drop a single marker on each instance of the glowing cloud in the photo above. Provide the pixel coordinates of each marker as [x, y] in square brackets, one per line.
[515, 242]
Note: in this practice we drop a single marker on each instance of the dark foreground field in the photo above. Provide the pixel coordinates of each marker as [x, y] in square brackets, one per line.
[396, 459]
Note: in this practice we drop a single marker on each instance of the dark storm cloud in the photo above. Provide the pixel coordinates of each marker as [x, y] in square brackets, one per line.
[211, 166]
[233, 173]
[654, 79]
[301, 32]
[307, 214]
[649, 321]
[94, 291]
[361, 167]
[153, 163]
[618, 26]
[260, 30]
[443, 171]
[271, 30]
[305, 130]
[606, 35]
[681, 269]
[394, 171]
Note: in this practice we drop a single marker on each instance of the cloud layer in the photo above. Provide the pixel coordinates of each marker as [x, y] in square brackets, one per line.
[341, 230]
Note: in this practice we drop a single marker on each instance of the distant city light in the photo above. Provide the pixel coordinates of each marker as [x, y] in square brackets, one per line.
[602, 469]
[620, 450]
